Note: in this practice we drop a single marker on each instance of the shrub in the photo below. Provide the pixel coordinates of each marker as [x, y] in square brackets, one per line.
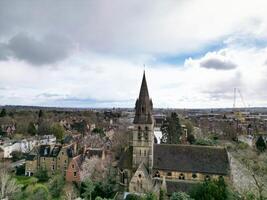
[242, 145]
[260, 144]
[42, 175]
[191, 139]
[180, 196]
[133, 197]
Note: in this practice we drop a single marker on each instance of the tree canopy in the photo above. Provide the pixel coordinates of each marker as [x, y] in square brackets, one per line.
[171, 130]
[260, 144]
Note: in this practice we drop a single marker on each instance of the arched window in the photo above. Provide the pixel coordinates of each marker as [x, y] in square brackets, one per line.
[157, 174]
[194, 175]
[144, 152]
[121, 176]
[140, 152]
[181, 176]
[207, 178]
[139, 133]
[146, 133]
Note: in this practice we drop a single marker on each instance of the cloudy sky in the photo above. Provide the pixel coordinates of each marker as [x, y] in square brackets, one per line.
[91, 53]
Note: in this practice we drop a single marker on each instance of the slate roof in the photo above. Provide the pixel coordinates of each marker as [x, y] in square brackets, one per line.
[78, 160]
[55, 151]
[30, 157]
[44, 150]
[94, 152]
[191, 158]
[125, 161]
[143, 105]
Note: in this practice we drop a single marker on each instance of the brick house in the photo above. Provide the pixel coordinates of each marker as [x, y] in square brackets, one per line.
[73, 173]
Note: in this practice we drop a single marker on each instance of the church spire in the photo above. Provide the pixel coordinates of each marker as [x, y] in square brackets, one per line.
[143, 106]
[144, 90]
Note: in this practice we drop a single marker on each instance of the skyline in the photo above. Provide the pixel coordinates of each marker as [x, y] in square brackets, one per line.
[91, 53]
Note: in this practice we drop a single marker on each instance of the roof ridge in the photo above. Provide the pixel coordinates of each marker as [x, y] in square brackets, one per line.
[193, 145]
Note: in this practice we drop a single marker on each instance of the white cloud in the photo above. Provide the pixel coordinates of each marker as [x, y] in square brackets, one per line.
[112, 41]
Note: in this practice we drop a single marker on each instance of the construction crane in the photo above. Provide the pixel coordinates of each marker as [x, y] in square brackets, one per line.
[237, 112]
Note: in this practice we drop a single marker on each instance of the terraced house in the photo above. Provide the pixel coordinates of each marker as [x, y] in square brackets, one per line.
[145, 166]
[53, 158]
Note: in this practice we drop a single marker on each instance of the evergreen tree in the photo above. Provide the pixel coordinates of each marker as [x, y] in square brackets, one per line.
[89, 188]
[3, 112]
[215, 189]
[40, 114]
[31, 129]
[260, 144]
[171, 130]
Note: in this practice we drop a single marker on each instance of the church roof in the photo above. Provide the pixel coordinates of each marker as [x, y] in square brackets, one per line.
[191, 158]
[143, 105]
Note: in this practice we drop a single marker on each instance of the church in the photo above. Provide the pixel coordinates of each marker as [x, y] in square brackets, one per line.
[145, 166]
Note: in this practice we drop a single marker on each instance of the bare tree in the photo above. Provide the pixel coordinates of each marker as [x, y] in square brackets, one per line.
[95, 168]
[257, 173]
[8, 185]
[70, 192]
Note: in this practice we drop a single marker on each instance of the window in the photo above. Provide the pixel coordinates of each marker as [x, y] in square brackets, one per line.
[194, 175]
[139, 133]
[139, 175]
[74, 174]
[44, 158]
[65, 161]
[146, 133]
[181, 176]
[72, 166]
[169, 174]
[140, 152]
[144, 152]
[157, 174]
[62, 153]
[53, 167]
[207, 178]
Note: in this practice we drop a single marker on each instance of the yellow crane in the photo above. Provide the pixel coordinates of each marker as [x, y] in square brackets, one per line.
[238, 114]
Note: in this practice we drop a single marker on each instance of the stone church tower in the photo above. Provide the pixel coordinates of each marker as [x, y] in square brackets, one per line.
[143, 133]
